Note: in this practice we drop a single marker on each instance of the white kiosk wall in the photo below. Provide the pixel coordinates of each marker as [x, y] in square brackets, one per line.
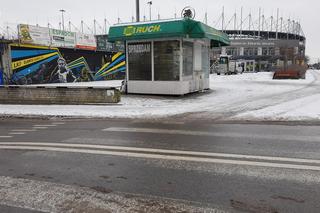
[169, 67]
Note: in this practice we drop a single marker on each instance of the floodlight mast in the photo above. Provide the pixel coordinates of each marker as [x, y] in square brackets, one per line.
[62, 14]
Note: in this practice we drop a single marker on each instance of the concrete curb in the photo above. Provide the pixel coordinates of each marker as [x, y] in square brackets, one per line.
[58, 95]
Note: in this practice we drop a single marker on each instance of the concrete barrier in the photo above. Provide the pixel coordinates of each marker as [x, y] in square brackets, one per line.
[58, 95]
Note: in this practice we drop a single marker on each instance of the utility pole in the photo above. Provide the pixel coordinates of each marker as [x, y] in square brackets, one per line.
[150, 4]
[206, 18]
[250, 20]
[138, 10]
[299, 28]
[82, 23]
[259, 34]
[293, 26]
[241, 25]
[288, 29]
[263, 22]
[62, 15]
[277, 27]
[222, 25]
[94, 26]
[105, 25]
[235, 21]
[8, 34]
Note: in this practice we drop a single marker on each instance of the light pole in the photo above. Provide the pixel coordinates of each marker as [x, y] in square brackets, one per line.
[137, 11]
[62, 14]
[150, 4]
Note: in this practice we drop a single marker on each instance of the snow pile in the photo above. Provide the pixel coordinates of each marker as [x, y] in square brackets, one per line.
[250, 96]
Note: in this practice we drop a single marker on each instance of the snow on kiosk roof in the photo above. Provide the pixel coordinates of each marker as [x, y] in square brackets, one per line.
[183, 28]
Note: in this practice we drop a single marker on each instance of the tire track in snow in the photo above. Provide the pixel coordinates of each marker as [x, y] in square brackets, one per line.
[304, 92]
[225, 112]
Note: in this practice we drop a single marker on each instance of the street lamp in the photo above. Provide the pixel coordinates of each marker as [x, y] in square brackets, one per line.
[150, 4]
[62, 12]
[137, 11]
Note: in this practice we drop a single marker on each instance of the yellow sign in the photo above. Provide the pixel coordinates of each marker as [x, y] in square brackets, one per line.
[133, 30]
[25, 62]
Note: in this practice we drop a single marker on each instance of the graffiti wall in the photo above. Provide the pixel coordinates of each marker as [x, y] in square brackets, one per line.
[32, 64]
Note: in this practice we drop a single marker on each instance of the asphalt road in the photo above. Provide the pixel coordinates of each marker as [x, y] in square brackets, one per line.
[175, 166]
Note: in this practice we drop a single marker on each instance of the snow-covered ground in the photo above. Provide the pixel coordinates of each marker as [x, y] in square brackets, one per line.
[250, 96]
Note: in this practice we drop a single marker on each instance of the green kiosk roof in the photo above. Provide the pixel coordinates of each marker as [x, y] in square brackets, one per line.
[182, 28]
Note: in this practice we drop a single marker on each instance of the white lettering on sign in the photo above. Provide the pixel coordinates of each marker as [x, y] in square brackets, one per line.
[139, 48]
[250, 43]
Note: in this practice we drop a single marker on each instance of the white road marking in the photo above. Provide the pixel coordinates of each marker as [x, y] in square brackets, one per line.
[45, 125]
[58, 123]
[5, 136]
[213, 134]
[162, 122]
[165, 151]
[165, 154]
[165, 157]
[17, 133]
[40, 127]
[23, 130]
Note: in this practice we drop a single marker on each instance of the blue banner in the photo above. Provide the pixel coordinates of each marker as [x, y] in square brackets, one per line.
[1, 78]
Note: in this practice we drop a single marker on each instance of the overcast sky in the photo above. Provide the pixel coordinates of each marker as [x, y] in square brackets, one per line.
[43, 11]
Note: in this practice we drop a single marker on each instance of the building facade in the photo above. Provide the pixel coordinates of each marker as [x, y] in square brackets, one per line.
[269, 50]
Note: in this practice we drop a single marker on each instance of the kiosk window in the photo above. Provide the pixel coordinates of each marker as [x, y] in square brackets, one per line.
[139, 56]
[187, 58]
[166, 60]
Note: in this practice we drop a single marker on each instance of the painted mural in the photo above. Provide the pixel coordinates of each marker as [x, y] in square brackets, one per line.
[114, 69]
[41, 65]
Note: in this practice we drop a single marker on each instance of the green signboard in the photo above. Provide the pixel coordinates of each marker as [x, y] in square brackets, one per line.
[185, 28]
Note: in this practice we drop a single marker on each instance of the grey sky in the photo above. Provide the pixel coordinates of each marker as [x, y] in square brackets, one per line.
[43, 11]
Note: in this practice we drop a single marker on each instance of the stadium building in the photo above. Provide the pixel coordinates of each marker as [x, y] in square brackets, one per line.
[263, 44]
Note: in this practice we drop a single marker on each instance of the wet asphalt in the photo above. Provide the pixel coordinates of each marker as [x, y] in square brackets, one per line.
[238, 188]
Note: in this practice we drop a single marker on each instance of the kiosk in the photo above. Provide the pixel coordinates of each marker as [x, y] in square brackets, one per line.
[168, 57]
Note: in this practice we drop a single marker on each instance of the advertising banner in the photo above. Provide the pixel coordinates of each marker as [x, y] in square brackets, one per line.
[34, 35]
[85, 41]
[104, 45]
[60, 38]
